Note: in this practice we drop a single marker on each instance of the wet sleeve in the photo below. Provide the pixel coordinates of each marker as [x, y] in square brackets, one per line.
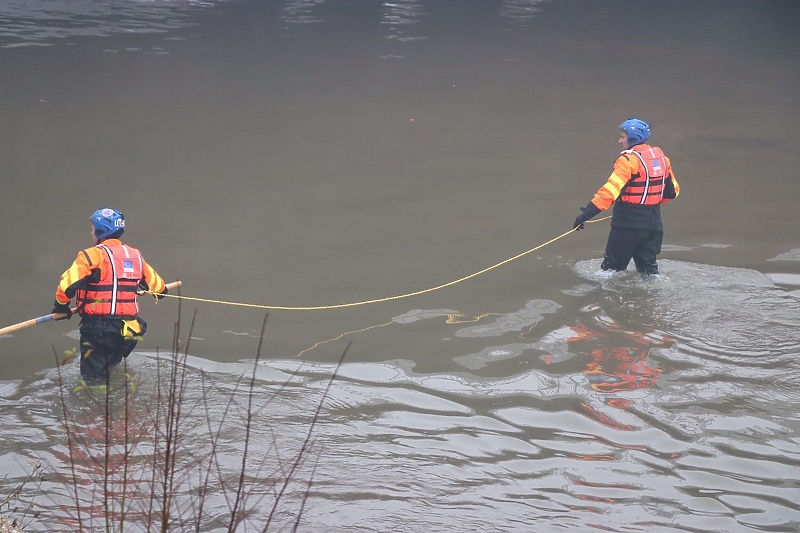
[609, 192]
[152, 281]
[77, 275]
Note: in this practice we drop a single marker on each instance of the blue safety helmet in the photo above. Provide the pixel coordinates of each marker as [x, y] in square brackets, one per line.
[638, 131]
[106, 222]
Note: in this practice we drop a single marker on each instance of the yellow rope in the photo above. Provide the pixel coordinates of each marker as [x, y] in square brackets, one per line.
[377, 300]
[452, 318]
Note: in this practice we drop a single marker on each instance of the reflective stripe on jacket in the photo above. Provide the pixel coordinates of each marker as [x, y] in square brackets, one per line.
[646, 187]
[94, 268]
[114, 294]
[627, 168]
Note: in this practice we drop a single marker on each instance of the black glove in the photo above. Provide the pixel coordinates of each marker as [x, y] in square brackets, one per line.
[579, 220]
[587, 213]
[63, 309]
[160, 296]
[669, 188]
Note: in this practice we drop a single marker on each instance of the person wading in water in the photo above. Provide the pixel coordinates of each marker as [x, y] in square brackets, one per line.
[642, 180]
[104, 280]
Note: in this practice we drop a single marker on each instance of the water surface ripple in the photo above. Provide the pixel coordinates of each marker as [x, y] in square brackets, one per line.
[683, 427]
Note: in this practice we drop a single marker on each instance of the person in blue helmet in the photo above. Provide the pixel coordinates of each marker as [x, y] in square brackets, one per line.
[105, 280]
[641, 182]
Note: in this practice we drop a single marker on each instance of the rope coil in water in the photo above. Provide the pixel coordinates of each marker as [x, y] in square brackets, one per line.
[377, 300]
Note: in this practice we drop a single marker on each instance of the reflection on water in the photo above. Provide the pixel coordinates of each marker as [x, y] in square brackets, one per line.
[300, 11]
[39, 22]
[399, 16]
[520, 10]
[587, 424]
[47, 22]
[619, 357]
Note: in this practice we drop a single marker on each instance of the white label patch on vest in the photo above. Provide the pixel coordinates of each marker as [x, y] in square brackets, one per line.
[656, 167]
[127, 266]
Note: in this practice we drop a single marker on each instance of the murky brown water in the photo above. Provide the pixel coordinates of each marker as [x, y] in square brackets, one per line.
[308, 153]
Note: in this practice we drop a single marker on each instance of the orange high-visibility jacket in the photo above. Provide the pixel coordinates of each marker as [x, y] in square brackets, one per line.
[639, 177]
[104, 280]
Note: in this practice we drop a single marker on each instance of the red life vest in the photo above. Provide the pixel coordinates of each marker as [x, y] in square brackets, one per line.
[114, 294]
[647, 186]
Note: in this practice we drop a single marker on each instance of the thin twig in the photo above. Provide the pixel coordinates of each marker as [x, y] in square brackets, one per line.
[69, 442]
[308, 440]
